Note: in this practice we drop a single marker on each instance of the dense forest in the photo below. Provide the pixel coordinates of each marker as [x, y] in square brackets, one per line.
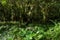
[29, 19]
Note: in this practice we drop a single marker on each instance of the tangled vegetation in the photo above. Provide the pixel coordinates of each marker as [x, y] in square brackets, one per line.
[29, 19]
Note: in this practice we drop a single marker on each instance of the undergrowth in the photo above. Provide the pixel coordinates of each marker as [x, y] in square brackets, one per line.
[30, 32]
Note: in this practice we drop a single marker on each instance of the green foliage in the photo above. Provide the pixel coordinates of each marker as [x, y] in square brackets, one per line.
[29, 10]
[23, 19]
[33, 32]
[3, 2]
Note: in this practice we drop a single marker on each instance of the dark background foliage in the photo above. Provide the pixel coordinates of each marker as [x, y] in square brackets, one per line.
[29, 10]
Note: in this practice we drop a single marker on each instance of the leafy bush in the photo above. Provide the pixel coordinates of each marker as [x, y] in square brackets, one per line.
[36, 32]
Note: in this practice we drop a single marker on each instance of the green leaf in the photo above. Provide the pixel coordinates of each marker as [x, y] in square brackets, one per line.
[4, 2]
